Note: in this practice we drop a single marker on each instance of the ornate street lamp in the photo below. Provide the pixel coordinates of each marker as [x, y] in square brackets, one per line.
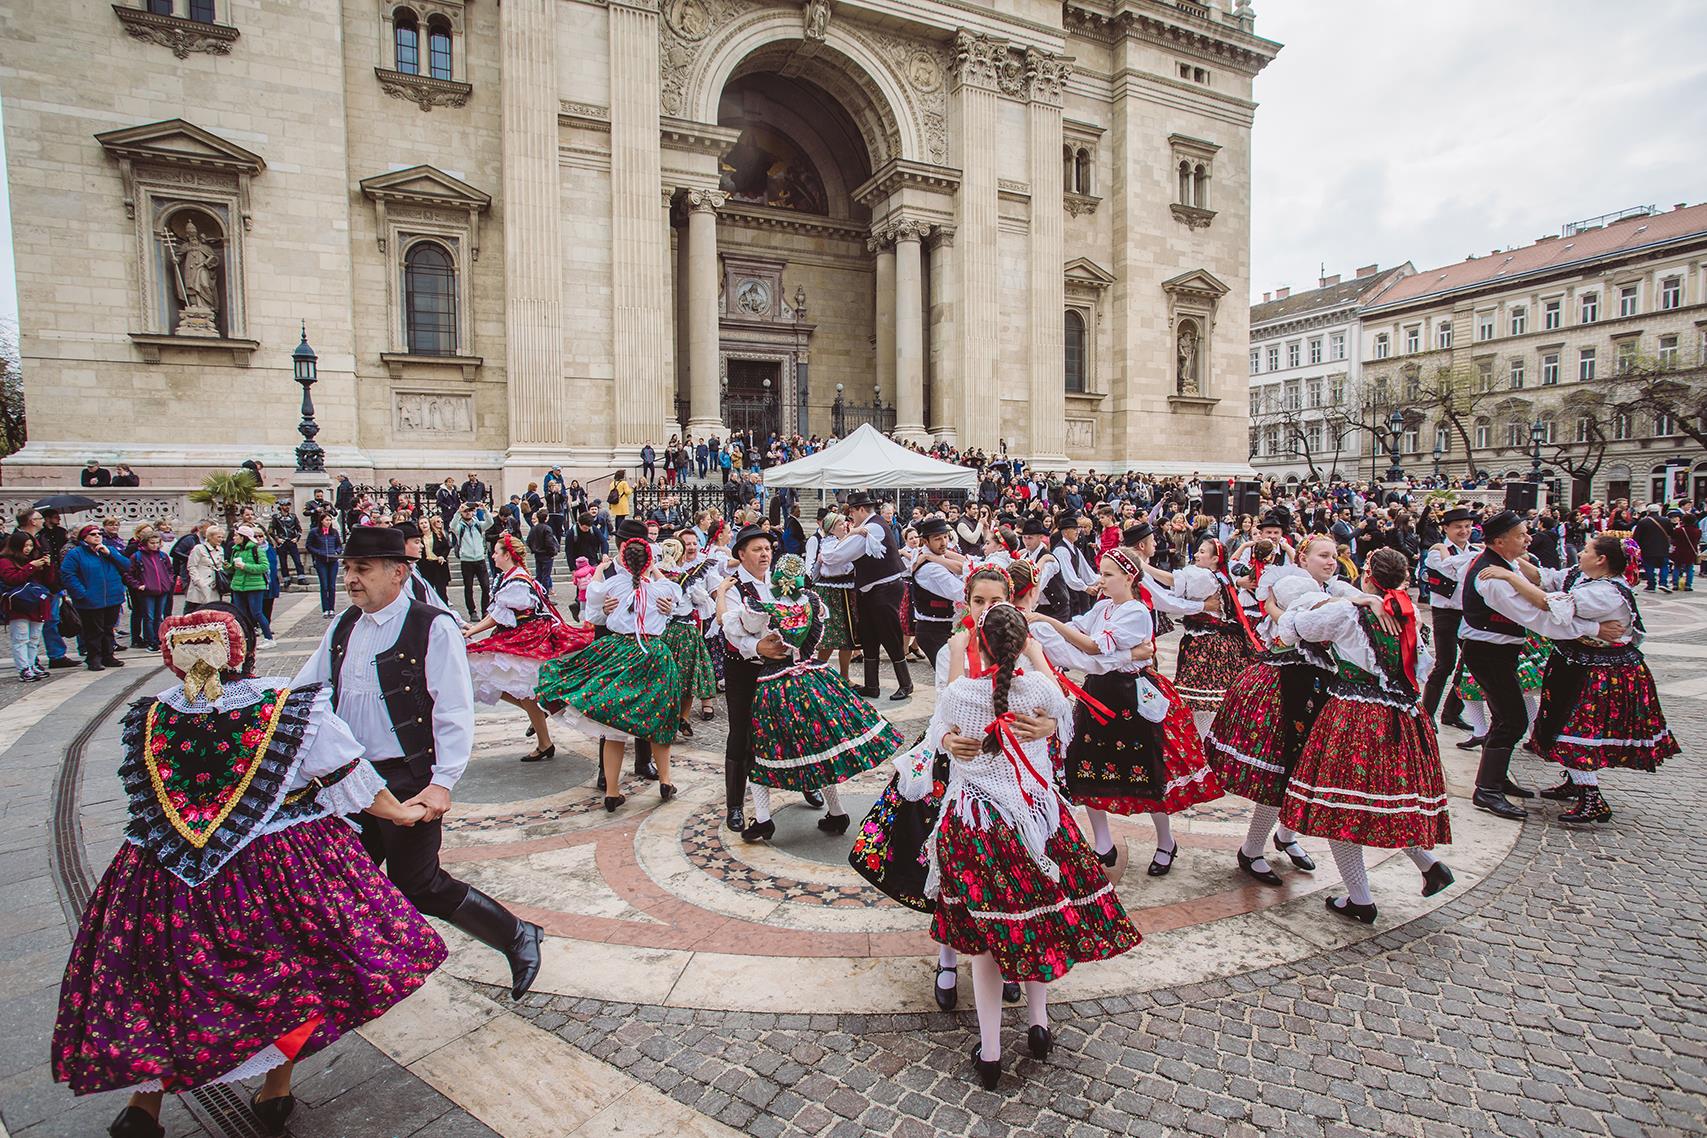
[838, 414]
[1395, 424]
[1536, 433]
[1438, 451]
[310, 458]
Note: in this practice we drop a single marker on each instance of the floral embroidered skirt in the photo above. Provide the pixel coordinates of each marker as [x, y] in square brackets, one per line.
[1261, 727]
[1098, 753]
[996, 899]
[507, 661]
[1595, 717]
[839, 629]
[693, 661]
[1531, 664]
[1208, 665]
[1369, 774]
[810, 729]
[615, 688]
[889, 848]
[192, 986]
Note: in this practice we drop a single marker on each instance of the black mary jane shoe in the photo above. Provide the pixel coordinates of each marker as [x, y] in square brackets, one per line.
[611, 803]
[1496, 803]
[735, 820]
[684, 728]
[759, 831]
[1295, 854]
[1458, 723]
[1160, 868]
[272, 1113]
[706, 715]
[541, 756]
[134, 1122]
[1512, 790]
[1040, 1042]
[1473, 743]
[946, 998]
[1565, 792]
[1266, 876]
[989, 1070]
[1109, 856]
[833, 823]
[813, 799]
[666, 791]
[1363, 914]
[1010, 992]
[1436, 877]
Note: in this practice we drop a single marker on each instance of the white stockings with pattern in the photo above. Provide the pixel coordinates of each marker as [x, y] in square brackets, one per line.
[1263, 819]
[832, 798]
[761, 802]
[1348, 856]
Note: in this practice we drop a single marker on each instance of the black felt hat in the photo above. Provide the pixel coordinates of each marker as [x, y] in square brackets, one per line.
[377, 542]
[751, 533]
[931, 527]
[1501, 523]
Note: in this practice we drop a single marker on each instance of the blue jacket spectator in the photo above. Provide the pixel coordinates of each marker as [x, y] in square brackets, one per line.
[92, 578]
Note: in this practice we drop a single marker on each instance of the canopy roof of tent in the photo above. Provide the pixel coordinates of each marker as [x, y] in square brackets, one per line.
[867, 460]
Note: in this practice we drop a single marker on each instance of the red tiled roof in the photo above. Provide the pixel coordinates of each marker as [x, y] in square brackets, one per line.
[1552, 254]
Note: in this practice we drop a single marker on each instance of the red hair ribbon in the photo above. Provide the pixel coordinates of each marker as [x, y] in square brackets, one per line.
[1230, 598]
[1221, 559]
[1002, 725]
[1099, 710]
[1397, 602]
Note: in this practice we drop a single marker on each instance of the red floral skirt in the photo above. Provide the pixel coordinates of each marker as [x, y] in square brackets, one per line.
[539, 639]
[996, 899]
[1190, 779]
[1261, 727]
[1370, 774]
[1208, 666]
[1597, 717]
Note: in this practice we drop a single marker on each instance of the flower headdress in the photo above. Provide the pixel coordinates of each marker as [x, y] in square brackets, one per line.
[199, 646]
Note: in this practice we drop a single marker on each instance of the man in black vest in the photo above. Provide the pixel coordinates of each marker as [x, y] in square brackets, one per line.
[744, 656]
[880, 587]
[937, 588]
[419, 587]
[1443, 567]
[1077, 559]
[399, 677]
[1492, 641]
[1051, 587]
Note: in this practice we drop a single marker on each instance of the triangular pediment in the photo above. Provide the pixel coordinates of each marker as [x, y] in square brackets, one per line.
[425, 185]
[1197, 281]
[1086, 271]
[176, 142]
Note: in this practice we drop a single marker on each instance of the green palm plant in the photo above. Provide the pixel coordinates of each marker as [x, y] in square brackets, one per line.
[231, 492]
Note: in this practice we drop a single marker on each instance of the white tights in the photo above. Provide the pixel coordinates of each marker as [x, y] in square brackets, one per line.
[1164, 837]
[987, 997]
[1264, 819]
[1348, 856]
[832, 798]
[761, 802]
[1583, 778]
[1104, 838]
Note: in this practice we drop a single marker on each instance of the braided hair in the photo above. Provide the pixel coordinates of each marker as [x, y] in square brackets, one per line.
[636, 558]
[1003, 634]
[1024, 576]
[1389, 568]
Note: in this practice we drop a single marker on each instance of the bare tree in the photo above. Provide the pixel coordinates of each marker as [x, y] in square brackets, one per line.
[1581, 455]
[11, 389]
[1455, 397]
[1668, 386]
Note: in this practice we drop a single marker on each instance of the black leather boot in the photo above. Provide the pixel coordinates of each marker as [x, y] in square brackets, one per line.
[904, 679]
[491, 924]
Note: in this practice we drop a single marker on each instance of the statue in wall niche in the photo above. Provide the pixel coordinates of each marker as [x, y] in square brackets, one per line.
[817, 19]
[1188, 344]
[195, 277]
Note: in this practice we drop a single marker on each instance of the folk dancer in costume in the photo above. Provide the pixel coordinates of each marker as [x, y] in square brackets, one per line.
[1134, 748]
[526, 631]
[398, 671]
[414, 544]
[1263, 561]
[1078, 569]
[1266, 717]
[1599, 707]
[697, 576]
[1215, 647]
[1496, 623]
[1531, 665]
[1052, 587]
[937, 587]
[236, 856]
[600, 603]
[1370, 774]
[1001, 547]
[878, 575]
[1443, 573]
[1017, 888]
[624, 685]
[810, 729]
[833, 580]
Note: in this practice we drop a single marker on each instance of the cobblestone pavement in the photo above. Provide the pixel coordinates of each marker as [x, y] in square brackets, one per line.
[1566, 995]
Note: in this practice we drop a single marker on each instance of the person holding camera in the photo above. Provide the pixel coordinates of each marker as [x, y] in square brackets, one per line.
[468, 539]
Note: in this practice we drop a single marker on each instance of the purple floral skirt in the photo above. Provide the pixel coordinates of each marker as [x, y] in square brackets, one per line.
[185, 985]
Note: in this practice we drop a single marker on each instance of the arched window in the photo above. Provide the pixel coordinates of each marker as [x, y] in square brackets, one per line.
[1075, 351]
[406, 31]
[1200, 186]
[1067, 172]
[438, 48]
[1185, 183]
[1082, 172]
[429, 295]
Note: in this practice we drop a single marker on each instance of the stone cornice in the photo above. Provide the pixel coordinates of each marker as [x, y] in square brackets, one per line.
[697, 137]
[423, 90]
[1080, 204]
[749, 216]
[588, 116]
[899, 172]
[1192, 216]
[181, 35]
[1204, 36]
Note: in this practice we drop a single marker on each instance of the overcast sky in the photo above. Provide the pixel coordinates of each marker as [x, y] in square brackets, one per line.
[1426, 130]
[1399, 130]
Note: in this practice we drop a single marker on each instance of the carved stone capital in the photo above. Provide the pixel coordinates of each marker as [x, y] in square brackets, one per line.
[942, 237]
[704, 201]
[422, 90]
[881, 240]
[1046, 75]
[908, 229]
[180, 35]
[984, 62]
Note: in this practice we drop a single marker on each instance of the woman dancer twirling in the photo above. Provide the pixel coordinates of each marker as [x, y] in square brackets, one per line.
[1215, 647]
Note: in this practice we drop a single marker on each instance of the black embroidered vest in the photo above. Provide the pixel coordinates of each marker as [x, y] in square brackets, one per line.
[1478, 614]
[402, 672]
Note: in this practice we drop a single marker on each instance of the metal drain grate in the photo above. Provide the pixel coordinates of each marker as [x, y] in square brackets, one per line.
[223, 1113]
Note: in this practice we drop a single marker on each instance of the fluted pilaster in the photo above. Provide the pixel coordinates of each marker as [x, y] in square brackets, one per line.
[978, 66]
[1045, 75]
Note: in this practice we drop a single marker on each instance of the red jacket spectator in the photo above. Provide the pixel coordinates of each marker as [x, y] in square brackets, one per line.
[15, 572]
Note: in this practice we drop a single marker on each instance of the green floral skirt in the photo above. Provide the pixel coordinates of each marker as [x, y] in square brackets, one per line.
[615, 688]
[687, 644]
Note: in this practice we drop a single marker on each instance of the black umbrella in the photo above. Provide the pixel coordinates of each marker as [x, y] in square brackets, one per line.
[67, 503]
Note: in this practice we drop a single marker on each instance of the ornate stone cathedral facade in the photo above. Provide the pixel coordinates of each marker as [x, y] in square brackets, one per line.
[548, 231]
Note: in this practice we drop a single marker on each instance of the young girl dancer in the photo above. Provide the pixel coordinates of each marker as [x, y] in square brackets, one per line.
[527, 630]
[1016, 887]
[1370, 773]
[1215, 647]
[685, 634]
[624, 686]
[1135, 749]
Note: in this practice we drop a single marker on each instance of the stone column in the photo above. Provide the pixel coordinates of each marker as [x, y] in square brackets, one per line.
[704, 393]
[643, 399]
[1046, 74]
[909, 332]
[979, 67]
[945, 374]
[882, 243]
[539, 399]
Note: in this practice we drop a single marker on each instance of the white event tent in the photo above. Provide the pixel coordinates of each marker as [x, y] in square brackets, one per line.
[867, 460]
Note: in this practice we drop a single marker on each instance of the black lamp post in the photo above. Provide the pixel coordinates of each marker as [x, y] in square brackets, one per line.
[1395, 424]
[310, 458]
[1536, 433]
[1438, 451]
[838, 414]
[801, 369]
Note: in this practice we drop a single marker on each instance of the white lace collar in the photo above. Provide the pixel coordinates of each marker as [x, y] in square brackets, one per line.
[236, 694]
